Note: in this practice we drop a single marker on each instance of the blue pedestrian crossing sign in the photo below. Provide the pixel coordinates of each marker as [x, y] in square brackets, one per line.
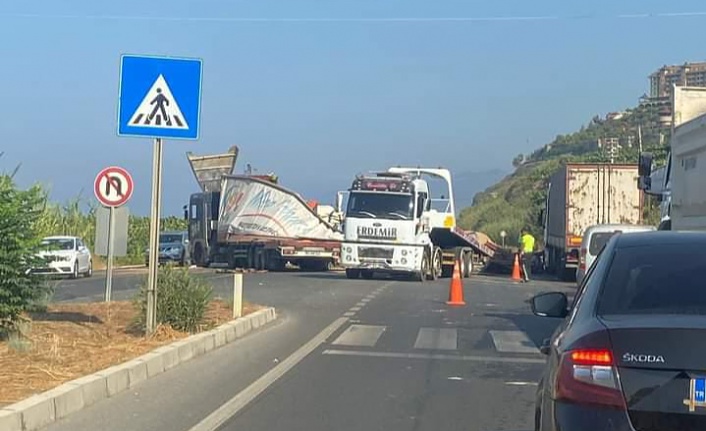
[160, 97]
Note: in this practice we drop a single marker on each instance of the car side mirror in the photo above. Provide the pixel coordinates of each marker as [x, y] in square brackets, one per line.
[552, 304]
[644, 165]
[186, 212]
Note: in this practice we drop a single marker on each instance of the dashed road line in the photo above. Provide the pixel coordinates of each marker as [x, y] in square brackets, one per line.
[360, 335]
[432, 356]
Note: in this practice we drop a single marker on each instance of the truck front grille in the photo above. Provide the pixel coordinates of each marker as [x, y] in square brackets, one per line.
[375, 252]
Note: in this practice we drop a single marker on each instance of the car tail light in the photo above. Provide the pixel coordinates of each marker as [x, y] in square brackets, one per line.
[589, 376]
[582, 259]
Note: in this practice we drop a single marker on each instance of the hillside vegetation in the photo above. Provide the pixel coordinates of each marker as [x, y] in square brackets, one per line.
[516, 200]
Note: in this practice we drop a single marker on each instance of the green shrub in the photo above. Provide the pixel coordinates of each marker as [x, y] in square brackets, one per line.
[182, 299]
[20, 211]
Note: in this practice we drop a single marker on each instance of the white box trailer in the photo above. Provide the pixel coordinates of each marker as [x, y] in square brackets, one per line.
[580, 195]
[688, 181]
[680, 184]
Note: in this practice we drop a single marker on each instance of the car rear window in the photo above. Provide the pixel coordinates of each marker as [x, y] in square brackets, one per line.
[655, 279]
[598, 240]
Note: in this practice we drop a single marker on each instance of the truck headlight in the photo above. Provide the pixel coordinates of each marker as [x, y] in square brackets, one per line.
[349, 249]
[404, 252]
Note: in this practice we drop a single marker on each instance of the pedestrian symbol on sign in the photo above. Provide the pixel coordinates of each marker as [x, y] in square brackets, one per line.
[159, 101]
[159, 109]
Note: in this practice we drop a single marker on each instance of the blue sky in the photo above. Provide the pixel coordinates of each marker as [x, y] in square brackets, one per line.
[320, 90]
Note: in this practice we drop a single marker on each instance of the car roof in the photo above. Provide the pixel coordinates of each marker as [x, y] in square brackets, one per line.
[60, 237]
[662, 237]
[610, 227]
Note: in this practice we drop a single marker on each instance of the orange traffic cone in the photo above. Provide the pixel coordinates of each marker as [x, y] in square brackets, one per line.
[456, 288]
[516, 269]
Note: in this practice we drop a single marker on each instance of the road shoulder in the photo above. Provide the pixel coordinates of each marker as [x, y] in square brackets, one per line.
[42, 409]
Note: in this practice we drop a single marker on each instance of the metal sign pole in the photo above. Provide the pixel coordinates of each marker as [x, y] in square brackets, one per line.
[155, 216]
[111, 252]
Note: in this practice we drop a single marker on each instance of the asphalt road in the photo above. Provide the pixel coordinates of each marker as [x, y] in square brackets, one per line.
[126, 283]
[351, 355]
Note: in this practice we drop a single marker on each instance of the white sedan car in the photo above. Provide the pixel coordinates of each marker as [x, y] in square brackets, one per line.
[66, 255]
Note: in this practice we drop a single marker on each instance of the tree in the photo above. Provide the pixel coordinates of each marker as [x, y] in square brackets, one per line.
[20, 210]
[517, 161]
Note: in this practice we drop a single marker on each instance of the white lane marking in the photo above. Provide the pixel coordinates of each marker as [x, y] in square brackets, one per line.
[360, 335]
[355, 308]
[365, 300]
[521, 383]
[235, 404]
[349, 314]
[437, 339]
[360, 304]
[432, 356]
[513, 342]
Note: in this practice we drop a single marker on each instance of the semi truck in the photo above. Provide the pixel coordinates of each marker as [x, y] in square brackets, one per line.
[679, 184]
[252, 222]
[394, 225]
[580, 195]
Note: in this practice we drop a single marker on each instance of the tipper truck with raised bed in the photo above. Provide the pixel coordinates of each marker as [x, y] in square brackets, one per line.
[580, 195]
[394, 225]
[251, 222]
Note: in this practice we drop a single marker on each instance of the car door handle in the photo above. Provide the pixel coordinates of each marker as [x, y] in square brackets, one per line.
[545, 348]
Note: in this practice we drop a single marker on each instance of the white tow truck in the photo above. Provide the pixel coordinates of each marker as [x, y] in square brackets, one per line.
[393, 225]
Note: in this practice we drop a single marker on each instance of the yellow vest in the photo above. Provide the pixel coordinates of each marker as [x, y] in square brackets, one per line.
[527, 243]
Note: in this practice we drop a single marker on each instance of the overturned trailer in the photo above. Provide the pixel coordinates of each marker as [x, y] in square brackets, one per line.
[248, 221]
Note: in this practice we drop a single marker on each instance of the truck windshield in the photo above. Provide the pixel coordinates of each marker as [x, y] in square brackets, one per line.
[380, 205]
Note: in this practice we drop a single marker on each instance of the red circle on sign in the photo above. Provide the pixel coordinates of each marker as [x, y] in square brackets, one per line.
[113, 186]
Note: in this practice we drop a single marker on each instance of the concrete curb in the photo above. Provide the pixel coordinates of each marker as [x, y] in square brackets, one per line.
[40, 410]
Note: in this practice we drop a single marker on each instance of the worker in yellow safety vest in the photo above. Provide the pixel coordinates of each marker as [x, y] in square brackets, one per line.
[526, 252]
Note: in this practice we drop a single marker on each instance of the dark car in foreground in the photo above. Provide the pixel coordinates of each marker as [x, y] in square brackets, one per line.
[173, 247]
[630, 354]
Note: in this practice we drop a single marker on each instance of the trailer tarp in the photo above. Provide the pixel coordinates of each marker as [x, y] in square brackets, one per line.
[251, 206]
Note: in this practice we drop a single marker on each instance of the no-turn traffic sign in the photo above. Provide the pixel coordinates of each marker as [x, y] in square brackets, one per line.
[113, 186]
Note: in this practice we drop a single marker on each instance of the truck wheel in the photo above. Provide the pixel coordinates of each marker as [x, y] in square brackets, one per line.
[467, 264]
[261, 260]
[436, 265]
[424, 270]
[352, 274]
[232, 264]
[199, 258]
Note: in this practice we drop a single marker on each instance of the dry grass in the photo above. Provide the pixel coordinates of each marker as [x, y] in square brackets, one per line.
[73, 340]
